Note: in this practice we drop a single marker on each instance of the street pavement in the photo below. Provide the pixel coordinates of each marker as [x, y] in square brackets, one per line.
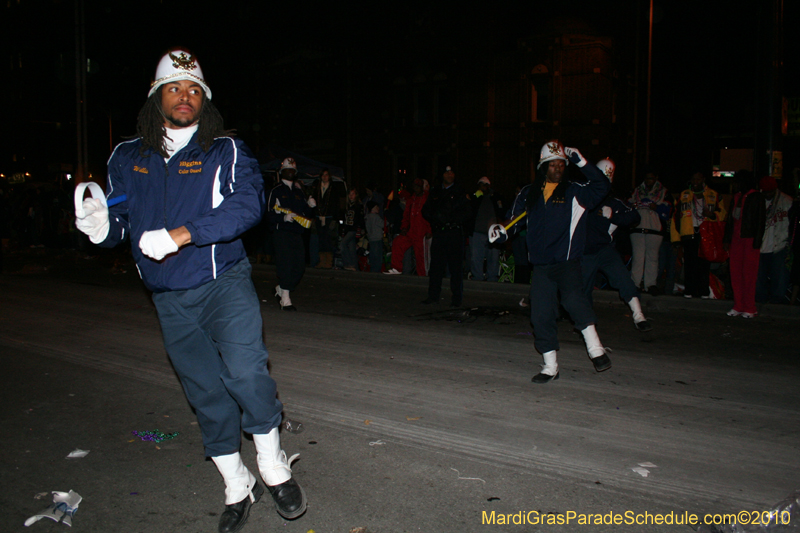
[416, 418]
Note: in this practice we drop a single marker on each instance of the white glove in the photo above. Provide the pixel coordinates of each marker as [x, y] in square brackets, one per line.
[288, 217]
[94, 223]
[312, 203]
[575, 156]
[497, 233]
[607, 211]
[157, 244]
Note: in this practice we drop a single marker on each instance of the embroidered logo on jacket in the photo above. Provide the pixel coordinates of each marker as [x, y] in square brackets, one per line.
[190, 165]
[143, 170]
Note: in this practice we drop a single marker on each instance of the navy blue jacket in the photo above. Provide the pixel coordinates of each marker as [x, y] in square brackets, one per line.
[217, 195]
[290, 198]
[600, 230]
[557, 229]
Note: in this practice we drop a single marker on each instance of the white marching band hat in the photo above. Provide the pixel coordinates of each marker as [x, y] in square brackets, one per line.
[179, 65]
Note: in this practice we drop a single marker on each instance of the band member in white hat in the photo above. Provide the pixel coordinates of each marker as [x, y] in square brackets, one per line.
[190, 191]
[554, 209]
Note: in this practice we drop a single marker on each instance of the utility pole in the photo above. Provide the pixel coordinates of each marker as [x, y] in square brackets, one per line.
[649, 78]
[775, 92]
[81, 173]
[635, 158]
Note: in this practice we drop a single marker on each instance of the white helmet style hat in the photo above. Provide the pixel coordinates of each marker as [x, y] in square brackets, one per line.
[288, 163]
[485, 180]
[607, 167]
[552, 150]
[179, 65]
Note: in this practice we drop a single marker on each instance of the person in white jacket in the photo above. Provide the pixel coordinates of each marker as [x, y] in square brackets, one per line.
[773, 276]
[651, 201]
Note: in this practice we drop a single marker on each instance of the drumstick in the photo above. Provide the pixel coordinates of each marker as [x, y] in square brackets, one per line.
[515, 221]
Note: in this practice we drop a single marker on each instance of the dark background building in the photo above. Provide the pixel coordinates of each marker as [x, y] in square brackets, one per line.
[396, 92]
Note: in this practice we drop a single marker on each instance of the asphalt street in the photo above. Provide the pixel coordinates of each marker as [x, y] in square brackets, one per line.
[416, 418]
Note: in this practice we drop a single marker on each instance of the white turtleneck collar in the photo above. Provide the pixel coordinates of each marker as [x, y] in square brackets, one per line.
[177, 139]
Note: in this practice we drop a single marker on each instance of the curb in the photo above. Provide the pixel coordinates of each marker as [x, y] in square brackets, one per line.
[610, 297]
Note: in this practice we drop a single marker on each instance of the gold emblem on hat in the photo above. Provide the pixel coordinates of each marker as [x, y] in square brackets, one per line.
[183, 61]
[554, 148]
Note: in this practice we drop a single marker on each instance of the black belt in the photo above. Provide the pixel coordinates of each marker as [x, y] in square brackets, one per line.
[647, 231]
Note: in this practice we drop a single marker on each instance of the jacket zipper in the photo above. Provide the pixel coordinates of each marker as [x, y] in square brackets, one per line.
[166, 175]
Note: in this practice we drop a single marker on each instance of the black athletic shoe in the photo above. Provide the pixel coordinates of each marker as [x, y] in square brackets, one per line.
[235, 515]
[290, 499]
[544, 378]
[601, 363]
[429, 300]
[644, 325]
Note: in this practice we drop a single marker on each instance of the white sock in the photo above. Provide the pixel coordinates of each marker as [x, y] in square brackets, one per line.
[272, 463]
[285, 300]
[239, 482]
[592, 340]
[636, 309]
[550, 366]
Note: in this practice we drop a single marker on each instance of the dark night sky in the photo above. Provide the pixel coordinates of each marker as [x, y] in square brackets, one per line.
[705, 59]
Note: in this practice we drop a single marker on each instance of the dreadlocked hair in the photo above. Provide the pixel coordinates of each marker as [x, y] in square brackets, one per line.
[537, 187]
[150, 126]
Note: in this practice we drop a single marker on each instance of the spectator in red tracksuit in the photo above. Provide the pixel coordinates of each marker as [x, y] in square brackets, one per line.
[743, 235]
[413, 232]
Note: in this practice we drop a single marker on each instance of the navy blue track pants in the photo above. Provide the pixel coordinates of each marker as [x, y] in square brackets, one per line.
[214, 339]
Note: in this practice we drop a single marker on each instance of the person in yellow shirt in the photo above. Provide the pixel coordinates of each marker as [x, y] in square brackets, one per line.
[696, 205]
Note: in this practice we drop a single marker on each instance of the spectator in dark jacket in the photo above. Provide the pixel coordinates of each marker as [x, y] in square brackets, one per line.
[374, 223]
[448, 211]
[326, 200]
[487, 210]
[352, 220]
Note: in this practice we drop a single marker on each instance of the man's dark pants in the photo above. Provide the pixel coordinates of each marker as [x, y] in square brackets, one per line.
[214, 339]
[696, 270]
[547, 282]
[608, 261]
[447, 251]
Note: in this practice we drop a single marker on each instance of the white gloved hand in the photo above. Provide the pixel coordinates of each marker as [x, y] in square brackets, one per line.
[312, 203]
[288, 217]
[157, 244]
[497, 233]
[607, 211]
[575, 156]
[94, 223]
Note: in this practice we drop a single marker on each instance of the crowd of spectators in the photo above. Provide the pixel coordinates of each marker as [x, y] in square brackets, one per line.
[695, 243]
[667, 252]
